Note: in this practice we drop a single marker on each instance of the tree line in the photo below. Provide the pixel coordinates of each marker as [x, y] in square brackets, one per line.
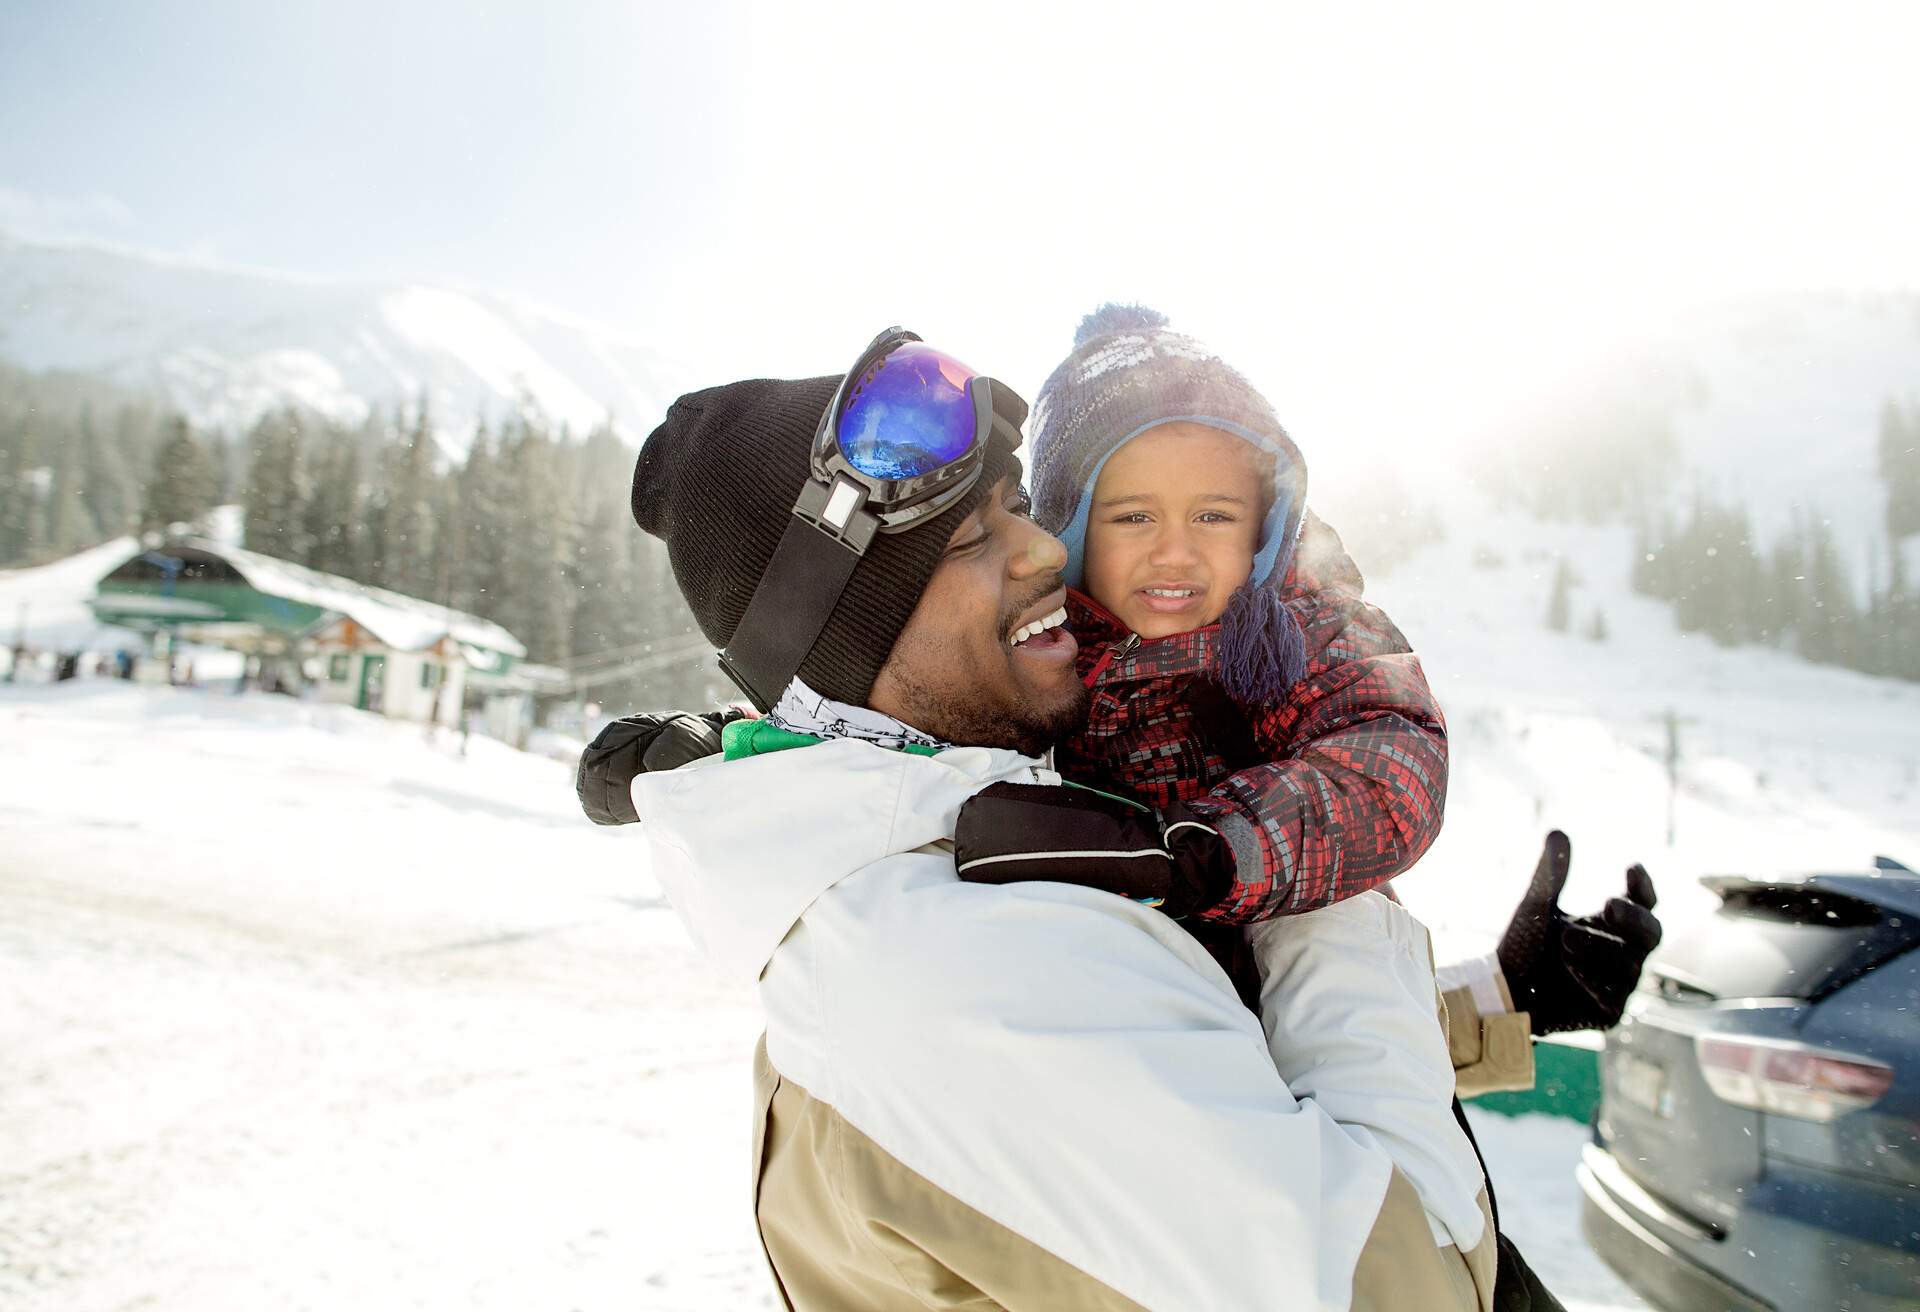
[526, 525]
[1798, 591]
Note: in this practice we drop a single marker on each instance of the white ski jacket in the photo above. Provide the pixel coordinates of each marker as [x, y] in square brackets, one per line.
[1068, 1072]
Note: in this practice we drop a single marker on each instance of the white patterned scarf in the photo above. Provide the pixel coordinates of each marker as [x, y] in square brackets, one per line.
[802, 710]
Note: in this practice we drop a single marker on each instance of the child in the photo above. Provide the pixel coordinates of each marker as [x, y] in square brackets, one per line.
[1240, 685]
[1278, 725]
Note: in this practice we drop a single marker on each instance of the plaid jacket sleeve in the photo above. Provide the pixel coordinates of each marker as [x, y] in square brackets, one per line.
[1356, 778]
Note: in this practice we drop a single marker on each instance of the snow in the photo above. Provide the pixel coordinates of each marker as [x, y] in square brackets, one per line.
[1530, 1159]
[52, 600]
[490, 349]
[303, 1008]
[1785, 765]
[225, 344]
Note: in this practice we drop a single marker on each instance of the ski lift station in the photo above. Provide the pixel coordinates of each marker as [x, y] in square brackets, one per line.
[351, 644]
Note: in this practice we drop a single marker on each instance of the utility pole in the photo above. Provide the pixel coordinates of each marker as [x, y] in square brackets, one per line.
[1673, 720]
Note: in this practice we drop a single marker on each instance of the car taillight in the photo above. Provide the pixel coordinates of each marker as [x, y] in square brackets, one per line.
[1791, 1079]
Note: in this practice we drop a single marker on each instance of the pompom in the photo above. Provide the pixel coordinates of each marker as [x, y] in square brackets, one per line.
[1262, 653]
[1114, 318]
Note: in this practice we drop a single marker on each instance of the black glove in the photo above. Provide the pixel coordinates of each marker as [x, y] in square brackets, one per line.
[636, 745]
[1575, 974]
[1069, 835]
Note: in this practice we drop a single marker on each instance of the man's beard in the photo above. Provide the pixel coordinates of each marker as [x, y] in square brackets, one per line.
[955, 714]
[1026, 727]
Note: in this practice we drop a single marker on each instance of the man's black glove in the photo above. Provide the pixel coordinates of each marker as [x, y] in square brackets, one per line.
[1575, 974]
[636, 745]
[1013, 832]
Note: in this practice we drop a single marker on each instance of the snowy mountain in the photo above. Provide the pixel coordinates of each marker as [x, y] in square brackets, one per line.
[225, 344]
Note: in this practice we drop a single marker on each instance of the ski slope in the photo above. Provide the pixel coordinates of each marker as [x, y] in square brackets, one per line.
[1784, 765]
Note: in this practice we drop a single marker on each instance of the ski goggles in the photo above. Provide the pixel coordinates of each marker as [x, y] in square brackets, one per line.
[904, 438]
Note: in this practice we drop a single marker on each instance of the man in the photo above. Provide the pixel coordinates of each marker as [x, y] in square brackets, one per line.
[1029, 1096]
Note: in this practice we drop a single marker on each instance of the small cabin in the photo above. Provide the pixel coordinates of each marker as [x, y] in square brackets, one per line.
[347, 642]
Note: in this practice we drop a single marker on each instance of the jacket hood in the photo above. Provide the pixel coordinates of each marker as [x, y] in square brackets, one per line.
[742, 848]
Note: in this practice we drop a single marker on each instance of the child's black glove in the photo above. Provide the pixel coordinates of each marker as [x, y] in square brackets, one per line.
[1575, 974]
[639, 744]
[1012, 832]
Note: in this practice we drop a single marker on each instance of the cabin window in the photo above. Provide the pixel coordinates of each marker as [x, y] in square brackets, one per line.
[429, 674]
[337, 667]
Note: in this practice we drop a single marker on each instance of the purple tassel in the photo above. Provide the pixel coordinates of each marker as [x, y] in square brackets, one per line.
[1262, 652]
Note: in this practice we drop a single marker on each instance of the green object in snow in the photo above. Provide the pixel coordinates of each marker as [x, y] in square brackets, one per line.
[1566, 1082]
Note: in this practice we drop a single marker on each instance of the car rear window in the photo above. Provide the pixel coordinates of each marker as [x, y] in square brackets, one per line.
[1770, 942]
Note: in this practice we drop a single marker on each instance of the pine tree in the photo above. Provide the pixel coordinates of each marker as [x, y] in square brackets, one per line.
[275, 493]
[1560, 603]
[485, 492]
[1900, 468]
[69, 525]
[1597, 626]
[1653, 573]
[411, 510]
[1787, 586]
[1828, 630]
[375, 442]
[109, 459]
[184, 481]
[537, 605]
[20, 516]
[335, 525]
[607, 613]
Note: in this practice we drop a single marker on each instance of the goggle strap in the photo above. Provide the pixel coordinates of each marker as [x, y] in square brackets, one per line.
[803, 583]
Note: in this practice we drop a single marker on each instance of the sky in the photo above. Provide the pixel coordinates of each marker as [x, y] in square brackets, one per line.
[1385, 215]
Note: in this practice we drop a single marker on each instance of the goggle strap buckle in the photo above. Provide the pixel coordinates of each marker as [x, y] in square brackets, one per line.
[803, 583]
[838, 510]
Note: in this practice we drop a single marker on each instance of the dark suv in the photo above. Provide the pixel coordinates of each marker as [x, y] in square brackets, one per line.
[1758, 1139]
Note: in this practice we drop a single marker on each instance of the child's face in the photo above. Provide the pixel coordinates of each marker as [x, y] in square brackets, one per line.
[1174, 525]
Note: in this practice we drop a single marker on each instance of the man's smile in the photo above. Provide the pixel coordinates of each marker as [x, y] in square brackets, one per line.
[1041, 630]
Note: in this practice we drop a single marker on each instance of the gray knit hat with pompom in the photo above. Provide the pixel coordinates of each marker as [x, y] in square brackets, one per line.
[1129, 372]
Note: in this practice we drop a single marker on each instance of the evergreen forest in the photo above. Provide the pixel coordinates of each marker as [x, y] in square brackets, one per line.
[528, 526]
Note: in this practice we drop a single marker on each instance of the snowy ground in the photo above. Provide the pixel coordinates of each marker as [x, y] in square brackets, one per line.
[1784, 765]
[303, 1009]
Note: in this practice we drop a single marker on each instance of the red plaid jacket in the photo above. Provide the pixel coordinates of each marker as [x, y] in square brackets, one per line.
[1322, 796]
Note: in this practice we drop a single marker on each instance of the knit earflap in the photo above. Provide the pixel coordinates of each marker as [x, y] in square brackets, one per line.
[1262, 653]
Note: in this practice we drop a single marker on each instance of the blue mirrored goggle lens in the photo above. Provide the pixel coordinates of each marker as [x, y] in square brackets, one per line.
[909, 416]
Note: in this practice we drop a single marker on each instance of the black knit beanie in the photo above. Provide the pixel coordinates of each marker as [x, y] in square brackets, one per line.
[716, 482]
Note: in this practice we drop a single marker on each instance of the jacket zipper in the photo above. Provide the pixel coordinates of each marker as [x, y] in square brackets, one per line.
[1119, 651]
